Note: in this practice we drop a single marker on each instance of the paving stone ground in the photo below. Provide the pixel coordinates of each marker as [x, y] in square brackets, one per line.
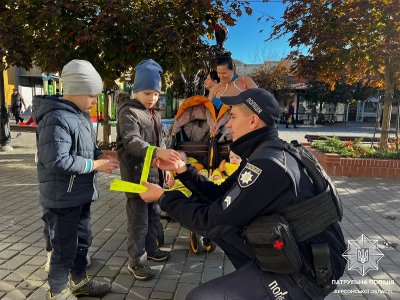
[371, 207]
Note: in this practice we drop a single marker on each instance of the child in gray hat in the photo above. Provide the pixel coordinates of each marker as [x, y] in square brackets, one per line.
[138, 128]
[68, 160]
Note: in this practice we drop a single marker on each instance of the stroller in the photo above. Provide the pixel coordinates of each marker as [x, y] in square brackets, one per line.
[199, 131]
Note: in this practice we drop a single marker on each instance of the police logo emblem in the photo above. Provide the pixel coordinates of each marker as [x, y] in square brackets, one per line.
[363, 255]
[248, 175]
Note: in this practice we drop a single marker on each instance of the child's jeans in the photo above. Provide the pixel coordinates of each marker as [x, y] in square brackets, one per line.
[143, 219]
[70, 237]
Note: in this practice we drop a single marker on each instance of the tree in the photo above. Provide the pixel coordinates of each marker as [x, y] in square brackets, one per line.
[360, 91]
[113, 35]
[272, 76]
[317, 91]
[359, 40]
[322, 92]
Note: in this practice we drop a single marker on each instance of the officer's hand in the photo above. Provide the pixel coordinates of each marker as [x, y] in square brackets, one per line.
[168, 155]
[153, 193]
[168, 165]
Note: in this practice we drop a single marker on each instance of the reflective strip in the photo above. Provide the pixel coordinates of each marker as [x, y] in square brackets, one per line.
[147, 163]
[71, 183]
[119, 185]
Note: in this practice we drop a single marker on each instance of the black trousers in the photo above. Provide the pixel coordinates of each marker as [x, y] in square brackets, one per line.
[70, 236]
[46, 236]
[249, 282]
[17, 114]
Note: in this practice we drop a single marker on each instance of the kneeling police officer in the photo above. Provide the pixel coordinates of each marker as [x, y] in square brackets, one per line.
[273, 220]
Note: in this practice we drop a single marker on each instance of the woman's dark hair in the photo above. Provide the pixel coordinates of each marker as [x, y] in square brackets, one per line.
[214, 75]
[225, 61]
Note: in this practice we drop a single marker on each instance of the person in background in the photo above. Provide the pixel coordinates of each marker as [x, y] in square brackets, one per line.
[68, 160]
[211, 81]
[16, 105]
[226, 168]
[234, 158]
[138, 128]
[230, 83]
[290, 118]
[314, 113]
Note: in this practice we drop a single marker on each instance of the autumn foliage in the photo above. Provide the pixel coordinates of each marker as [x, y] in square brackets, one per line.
[354, 39]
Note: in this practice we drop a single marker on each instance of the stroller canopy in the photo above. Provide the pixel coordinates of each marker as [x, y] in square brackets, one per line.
[199, 121]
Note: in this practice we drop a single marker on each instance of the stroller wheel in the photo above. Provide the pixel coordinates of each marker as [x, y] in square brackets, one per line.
[160, 236]
[208, 245]
[195, 242]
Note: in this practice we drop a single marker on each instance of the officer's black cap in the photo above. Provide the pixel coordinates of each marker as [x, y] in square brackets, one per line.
[262, 102]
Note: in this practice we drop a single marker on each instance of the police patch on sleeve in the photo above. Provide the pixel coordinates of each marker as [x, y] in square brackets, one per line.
[248, 175]
[232, 195]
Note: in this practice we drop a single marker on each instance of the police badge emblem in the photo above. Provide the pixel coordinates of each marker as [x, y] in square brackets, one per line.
[248, 175]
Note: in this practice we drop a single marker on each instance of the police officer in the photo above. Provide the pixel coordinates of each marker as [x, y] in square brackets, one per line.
[259, 187]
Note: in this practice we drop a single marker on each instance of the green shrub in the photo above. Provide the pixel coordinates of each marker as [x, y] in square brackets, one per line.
[353, 149]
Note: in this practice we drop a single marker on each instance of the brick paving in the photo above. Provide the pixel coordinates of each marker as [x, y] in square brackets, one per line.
[371, 207]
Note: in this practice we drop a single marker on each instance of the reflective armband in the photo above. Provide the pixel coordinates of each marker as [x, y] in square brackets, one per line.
[119, 185]
[147, 163]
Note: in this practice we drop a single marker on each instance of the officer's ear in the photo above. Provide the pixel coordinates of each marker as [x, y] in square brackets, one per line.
[256, 122]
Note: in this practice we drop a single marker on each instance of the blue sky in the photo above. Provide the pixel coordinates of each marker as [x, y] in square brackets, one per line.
[247, 44]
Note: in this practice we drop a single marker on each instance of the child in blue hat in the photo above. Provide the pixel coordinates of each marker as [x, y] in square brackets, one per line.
[138, 128]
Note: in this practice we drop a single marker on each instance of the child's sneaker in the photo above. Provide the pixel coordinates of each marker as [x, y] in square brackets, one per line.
[140, 271]
[89, 287]
[64, 295]
[159, 255]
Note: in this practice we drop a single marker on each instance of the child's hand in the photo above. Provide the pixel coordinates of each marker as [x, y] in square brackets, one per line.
[153, 193]
[169, 155]
[106, 165]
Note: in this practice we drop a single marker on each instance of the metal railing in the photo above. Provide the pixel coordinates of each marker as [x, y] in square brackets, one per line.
[321, 118]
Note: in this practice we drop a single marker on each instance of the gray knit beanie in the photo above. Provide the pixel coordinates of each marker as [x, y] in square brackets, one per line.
[147, 76]
[79, 77]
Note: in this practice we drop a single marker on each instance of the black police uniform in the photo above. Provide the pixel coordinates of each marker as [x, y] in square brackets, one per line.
[258, 187]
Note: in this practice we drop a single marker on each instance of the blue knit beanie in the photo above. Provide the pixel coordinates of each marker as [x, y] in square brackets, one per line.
[147, 76]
